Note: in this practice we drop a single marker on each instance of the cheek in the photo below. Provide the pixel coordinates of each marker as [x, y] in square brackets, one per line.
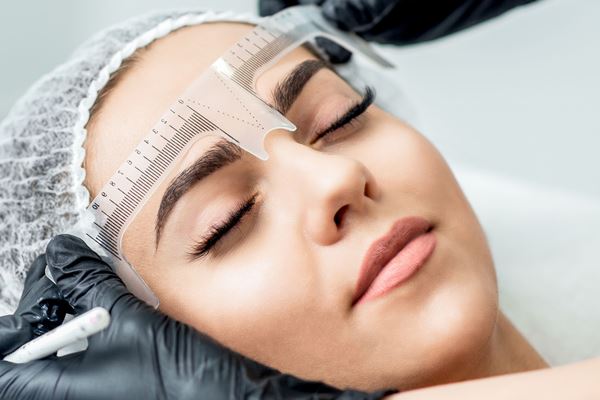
[260, 301]
[458, 302]
[416, 178]
[398, 156]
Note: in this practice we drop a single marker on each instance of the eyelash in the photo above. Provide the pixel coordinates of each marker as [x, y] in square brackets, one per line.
[349, 116]
[216, 231]
[219, 230]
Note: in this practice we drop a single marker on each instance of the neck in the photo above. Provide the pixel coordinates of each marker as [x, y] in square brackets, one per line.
[509, 352]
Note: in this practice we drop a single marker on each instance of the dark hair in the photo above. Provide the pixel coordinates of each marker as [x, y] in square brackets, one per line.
[113, 80]
[126, 65]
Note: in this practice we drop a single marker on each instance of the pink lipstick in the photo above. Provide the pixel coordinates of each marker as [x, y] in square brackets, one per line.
[394, 257]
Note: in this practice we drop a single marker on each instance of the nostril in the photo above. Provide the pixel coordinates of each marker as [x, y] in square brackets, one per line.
[370, 189]
[339, 215]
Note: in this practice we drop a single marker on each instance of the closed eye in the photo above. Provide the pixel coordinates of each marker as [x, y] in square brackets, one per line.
[354, 112]
[215, 232]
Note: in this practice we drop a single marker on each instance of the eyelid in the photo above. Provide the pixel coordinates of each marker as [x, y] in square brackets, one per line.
[356, 110]
[216, 231]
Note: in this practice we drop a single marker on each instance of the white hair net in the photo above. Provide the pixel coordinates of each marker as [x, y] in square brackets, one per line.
[41, 153]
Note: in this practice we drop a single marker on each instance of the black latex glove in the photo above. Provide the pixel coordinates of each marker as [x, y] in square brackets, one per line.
[397, 22]
[143, 354]
[40, 309]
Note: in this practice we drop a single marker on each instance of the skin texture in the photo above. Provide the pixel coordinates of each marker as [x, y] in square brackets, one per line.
[279, 288]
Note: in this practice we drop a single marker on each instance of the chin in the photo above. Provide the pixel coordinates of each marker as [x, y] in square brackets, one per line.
[459, 327]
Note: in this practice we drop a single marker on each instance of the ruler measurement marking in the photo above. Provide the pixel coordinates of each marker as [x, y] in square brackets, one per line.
[113, 224]
[126, 207]
[152, 175]
[107, 239]
[222, 131]
[197, 113]
[163, 161]
[260, 37]
[109, 245]
[169, 154]
[117, 219]
[178, 143]
[118, 215]
[138, 193]
[112, 228]
[157, 167]
[155, 170]
[104, 247]
[203, 123]
[128, 201]
[180, 140]
[258, 60]
[190, 128]
[189, 131]
[134, 196]
[136, 190]
[196, 125]
[145, 180]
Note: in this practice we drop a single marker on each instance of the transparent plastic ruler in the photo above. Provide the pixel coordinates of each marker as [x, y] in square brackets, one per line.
[222, 101]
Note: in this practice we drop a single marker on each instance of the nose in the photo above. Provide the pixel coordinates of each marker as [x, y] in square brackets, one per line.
[324, 189]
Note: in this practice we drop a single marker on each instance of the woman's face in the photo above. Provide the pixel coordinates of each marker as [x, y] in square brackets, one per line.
[278, 287]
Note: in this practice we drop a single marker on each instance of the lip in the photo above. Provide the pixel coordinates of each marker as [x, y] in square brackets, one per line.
[413, 233]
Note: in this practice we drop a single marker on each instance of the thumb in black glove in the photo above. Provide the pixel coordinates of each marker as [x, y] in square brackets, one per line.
[336, 53]
[40, 310]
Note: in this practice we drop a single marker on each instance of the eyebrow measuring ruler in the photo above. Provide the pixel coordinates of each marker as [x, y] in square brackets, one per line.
[222, 101]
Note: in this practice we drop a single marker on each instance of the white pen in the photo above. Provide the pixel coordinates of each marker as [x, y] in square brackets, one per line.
[80, 327]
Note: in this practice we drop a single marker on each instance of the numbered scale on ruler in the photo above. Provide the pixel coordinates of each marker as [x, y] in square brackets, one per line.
[145, 166]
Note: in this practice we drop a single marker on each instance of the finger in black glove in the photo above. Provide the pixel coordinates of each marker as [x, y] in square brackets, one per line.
[335, 53]
[41, 309]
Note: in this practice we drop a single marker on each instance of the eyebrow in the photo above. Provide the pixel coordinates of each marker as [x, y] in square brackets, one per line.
[287, 91]
[224, 152]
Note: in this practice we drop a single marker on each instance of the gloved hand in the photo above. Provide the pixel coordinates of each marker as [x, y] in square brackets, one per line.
[40, 309]
[143, 354]
[398, 22]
